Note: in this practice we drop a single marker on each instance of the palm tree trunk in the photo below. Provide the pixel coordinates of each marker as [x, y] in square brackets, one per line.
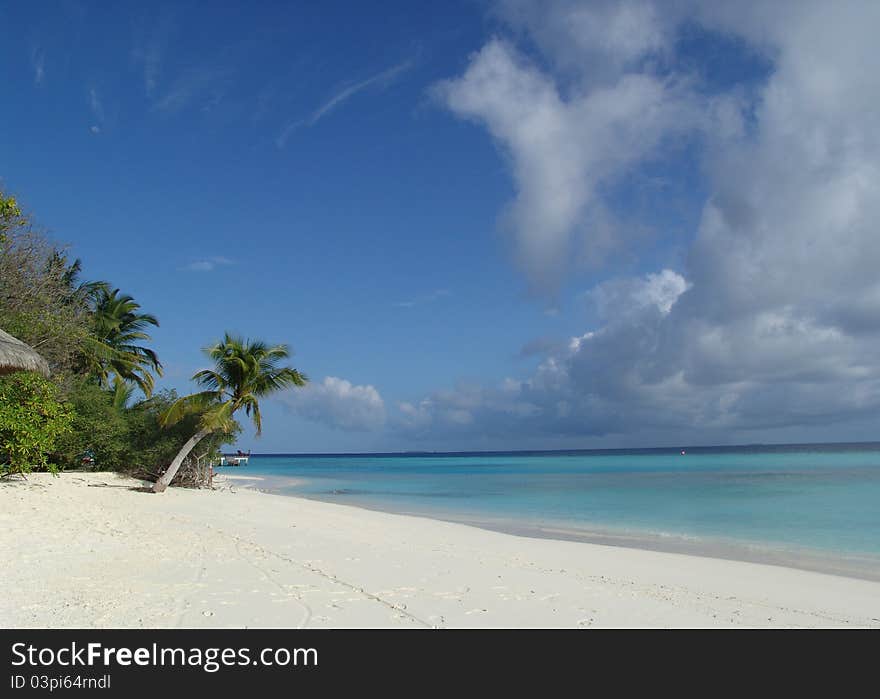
[163, 482]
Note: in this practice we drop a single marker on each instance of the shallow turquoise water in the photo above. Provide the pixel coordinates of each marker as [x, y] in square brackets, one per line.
[824, 498]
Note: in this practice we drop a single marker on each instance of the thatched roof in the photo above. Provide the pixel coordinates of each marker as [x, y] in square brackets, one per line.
[17, 356]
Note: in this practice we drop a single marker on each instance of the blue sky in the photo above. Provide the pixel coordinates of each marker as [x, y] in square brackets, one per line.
[432, 202]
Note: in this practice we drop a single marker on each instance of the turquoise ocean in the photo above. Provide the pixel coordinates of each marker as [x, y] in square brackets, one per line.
[806, 502]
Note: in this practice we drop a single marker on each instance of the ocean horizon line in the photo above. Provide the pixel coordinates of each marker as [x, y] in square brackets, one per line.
[623, 451]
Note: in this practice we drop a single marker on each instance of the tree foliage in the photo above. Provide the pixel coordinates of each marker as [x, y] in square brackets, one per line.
[37, 303]
[32, 420]
[116, 356]
[244, 371]
[157, 445]
[99, 433]
[130, 440]
[93, 337]
[99, 408]
[10, 213]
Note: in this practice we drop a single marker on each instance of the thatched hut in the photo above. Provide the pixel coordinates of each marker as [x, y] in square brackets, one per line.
[17, 356]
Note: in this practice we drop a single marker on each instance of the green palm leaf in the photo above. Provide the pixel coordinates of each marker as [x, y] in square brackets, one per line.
[114, 350]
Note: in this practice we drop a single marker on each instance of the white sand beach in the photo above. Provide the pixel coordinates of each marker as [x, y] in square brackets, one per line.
[85, 550]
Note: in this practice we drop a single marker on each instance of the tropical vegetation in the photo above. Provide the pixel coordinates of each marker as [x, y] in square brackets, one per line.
[244, 371]
[99, 408]
[116, 360]
[32, 421]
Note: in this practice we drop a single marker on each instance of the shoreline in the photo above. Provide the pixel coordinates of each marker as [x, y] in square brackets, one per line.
[811, 560]
[89, 550]
[852, 565]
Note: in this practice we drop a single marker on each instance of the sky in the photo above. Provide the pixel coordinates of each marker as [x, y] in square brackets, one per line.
[479, 225]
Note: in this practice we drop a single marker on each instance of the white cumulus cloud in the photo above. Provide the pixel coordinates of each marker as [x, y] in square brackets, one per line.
[773, 319]
[339, 403]
[564, 146]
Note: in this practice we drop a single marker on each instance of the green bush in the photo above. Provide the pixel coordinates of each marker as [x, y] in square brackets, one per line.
[32, 419]
[129, 439]
[153, 446]
[99, 430]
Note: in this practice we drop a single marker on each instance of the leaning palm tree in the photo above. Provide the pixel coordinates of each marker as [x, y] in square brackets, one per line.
[244, 371]
[116, 357]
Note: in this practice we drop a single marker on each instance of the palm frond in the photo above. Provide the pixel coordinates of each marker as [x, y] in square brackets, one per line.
[220, 418]
[118, 326]
[277, 380]
[122, 393]
[243, 372]
[187, 405]
[209, 379]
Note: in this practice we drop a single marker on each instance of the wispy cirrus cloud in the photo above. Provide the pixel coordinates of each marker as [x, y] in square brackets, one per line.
[38, 64]
[381, 80]
[385, 78]
[150, 59]
[149, 50]
[425, 298]
[201, 83]
[287, 131]
[97, 109]
[208, 264]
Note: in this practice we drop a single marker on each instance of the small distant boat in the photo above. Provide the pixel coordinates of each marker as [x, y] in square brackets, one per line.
[234, 459]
